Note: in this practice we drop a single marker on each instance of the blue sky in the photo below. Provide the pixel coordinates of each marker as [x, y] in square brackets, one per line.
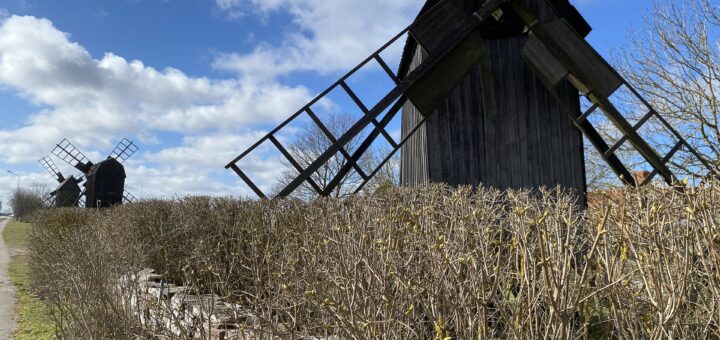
[192, 82]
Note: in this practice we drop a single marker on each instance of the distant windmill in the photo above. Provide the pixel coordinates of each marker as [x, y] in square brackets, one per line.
[105, 184]
[67, 193]
[491, 93]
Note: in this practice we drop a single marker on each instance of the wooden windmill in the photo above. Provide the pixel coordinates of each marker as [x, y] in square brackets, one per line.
[492, 93]
[105, 184]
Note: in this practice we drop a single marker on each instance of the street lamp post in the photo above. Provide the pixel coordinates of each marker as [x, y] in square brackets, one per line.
[18, 179]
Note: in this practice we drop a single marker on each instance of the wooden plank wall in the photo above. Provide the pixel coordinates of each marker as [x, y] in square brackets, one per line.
[528, 142]
[414, 154]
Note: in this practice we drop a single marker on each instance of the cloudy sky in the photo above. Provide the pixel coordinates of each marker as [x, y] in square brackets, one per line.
[192, 82]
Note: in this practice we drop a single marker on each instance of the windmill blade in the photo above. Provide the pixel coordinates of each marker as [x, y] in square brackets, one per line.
[124, 150]
[48, 200]
[71, 155]
[448, 35]
[557, 52]
[66, 201]
[128, 197]
[51, 168]
[80, 201]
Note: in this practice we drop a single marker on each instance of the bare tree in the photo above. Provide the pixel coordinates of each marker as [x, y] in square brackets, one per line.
[311, 142]
[25, 201]
[675, 64]
[388, 174]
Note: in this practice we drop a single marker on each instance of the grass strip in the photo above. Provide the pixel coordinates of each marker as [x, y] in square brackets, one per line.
[34, 321]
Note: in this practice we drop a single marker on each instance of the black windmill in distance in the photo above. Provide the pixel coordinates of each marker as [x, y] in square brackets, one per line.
[105, 180]
[67, 193]
[498, 93]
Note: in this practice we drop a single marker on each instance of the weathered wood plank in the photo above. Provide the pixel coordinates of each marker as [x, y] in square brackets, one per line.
[589, 71]
[437, 24]
[429, 91]
[544, 63]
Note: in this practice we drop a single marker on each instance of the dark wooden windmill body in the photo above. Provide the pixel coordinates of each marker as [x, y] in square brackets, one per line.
[492, 93]
[68, 193]
[105, 184]
[500, 126]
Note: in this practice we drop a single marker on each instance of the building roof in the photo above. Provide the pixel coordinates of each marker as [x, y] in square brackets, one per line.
[563, 9]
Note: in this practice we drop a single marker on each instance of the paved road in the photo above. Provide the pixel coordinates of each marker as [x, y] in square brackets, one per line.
[7, 290]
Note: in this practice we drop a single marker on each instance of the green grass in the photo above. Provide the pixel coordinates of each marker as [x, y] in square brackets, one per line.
[34, 321]
[16, 234]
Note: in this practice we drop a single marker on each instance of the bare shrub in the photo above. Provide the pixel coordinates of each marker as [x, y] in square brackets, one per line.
[429, 262]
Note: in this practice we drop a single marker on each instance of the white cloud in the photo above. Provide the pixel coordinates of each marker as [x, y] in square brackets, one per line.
[97, 100]
[205, 152]
[330, 36]
[210, 153]
[167, 182]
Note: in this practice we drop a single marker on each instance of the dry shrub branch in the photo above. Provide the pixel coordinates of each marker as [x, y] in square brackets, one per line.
[431, 262]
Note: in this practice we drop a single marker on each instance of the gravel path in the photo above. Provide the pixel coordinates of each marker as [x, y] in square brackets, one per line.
[7, 290]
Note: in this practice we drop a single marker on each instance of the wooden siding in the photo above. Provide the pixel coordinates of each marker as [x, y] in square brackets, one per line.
[414, 154]
[527, 142]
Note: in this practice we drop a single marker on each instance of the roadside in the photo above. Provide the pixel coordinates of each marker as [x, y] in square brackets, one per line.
[7, 290]
[30, 319]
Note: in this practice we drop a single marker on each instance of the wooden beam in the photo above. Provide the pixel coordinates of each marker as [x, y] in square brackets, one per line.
[665, 159]
[365, 110]
[613, 161]
[332, 139]
[247, 180]
[387, 69]
[294, 163]
[364, 146]
[636, 127]
[635, 139]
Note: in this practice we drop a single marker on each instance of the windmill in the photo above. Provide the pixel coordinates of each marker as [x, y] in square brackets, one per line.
[105, 184]
[67, 193]
[498, 92]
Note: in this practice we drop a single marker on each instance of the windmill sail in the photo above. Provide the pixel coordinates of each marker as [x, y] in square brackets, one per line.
[128, 197]
[555, 51]
[71, 155]
[459, 47]
[124, 150]
[51, 168]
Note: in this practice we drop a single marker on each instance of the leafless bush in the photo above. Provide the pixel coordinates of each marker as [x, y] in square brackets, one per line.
[407, 263]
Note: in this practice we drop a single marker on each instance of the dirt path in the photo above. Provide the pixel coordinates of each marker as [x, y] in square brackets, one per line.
[7, 290]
